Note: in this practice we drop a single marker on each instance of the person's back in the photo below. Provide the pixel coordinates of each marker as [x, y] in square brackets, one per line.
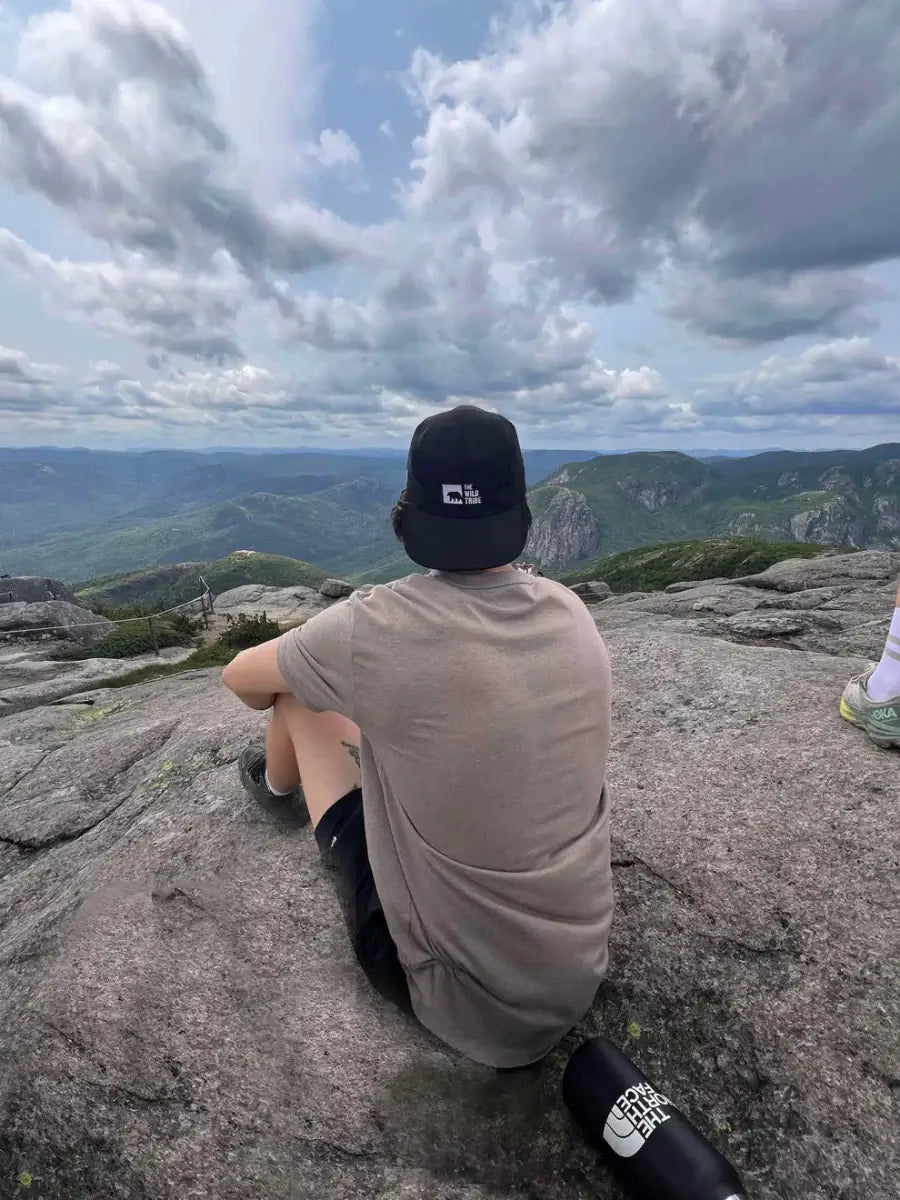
[447, 737]
[483, 701]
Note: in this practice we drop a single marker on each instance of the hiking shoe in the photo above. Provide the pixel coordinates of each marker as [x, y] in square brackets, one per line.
[290, 809]
[880, 719]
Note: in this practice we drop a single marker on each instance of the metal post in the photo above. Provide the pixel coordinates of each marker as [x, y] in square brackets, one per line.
[153, 636]
[206, 596]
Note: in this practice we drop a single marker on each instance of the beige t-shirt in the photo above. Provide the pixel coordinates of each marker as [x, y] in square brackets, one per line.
[483, 702]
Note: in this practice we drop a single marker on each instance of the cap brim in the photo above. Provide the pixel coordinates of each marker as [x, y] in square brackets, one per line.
[465, 544]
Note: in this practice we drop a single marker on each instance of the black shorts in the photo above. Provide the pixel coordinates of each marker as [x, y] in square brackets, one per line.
[341, 837]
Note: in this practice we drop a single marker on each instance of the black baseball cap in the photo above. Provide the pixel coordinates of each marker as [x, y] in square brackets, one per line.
[465, 488]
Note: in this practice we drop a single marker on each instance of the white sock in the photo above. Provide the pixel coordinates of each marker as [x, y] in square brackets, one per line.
[884, 683]
[275, 791]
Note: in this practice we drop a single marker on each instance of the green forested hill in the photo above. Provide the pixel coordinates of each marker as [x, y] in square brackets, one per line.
[653, 568]
[162, 587]
[123, 513]
[848, 499]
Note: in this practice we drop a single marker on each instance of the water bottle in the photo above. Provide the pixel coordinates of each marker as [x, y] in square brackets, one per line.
[653, 1148]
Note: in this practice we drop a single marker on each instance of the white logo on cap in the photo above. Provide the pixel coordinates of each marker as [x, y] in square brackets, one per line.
[461, 493]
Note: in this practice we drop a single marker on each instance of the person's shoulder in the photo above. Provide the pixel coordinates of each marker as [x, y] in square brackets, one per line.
[384, 591]
[552, 586]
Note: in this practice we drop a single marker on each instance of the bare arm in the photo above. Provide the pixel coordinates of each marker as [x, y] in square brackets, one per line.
[253, 676]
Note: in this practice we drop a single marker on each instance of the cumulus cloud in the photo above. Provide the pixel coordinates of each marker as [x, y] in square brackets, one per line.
[772, 306]
[809, 391]
[26, 387]
[736, 156]
[269, 47]
[17, 368]
[335, 149]
[804, 395]
[112, 120]
[753, 138]
[158, 306]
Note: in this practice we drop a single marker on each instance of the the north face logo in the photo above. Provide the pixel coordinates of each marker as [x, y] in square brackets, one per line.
[461, 493]
[633, 1118]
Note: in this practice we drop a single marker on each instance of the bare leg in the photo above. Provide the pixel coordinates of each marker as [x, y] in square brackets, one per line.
[321, 749]
[884, 682]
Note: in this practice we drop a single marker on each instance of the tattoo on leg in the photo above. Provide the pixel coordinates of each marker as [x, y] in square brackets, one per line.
[352, 750]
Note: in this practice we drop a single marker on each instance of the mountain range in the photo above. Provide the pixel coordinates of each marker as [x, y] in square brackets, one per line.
[843, 498]
[78, 514]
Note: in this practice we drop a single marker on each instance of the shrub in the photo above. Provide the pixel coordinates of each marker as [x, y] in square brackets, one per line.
[128, 641]
[652, 568]
[183, 622]
[249, 631]
[121, 612]
[245, 632]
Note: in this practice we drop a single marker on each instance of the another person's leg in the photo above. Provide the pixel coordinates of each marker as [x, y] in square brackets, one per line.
[884, 682]
[872, 700]
[315, 757]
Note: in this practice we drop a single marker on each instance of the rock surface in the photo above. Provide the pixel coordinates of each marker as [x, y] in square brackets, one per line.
[839, 604]
[564, 531]
[336, 589]
[181, 1016]
[594, 589]
[53, 618]
[281, 604]
[32, 589]
[29, 677]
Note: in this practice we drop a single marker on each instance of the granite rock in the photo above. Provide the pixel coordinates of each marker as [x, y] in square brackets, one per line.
[336, 589]
[281, 604]
[33, 589]
[592, 590]
[57, 619]
[181, 1015]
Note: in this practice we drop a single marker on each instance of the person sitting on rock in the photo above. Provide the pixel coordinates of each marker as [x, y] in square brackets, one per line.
[872, 700]
[447, 734]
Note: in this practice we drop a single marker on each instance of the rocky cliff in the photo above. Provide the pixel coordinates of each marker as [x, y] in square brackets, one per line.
[30, 589]
[564, 530]
[181, 1016]
[55, 619]
[618, 502]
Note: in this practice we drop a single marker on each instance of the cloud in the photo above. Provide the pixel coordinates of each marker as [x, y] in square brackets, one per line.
[846, 384]
[105, 371]
[335, 149]
[752, 140]
[113, 121]
[833, 393]
[731, 161]
[772, 306]
[268, 47]
[16, 368]
[26, 387]
[158, 306]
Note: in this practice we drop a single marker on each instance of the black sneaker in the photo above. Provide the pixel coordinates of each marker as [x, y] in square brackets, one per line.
[290, 809]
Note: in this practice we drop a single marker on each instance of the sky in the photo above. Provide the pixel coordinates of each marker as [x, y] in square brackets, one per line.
[661, 224]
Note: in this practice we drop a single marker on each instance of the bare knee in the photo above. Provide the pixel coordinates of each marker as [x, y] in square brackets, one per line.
[303, 722]
[326, 746]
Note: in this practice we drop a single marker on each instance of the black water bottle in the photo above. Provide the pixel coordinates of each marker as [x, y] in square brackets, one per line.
[653, 1148]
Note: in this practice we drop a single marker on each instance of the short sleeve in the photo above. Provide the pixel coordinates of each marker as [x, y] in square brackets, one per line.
[316, 660]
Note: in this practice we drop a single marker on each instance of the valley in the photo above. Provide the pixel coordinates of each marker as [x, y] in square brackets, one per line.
[80, 515]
